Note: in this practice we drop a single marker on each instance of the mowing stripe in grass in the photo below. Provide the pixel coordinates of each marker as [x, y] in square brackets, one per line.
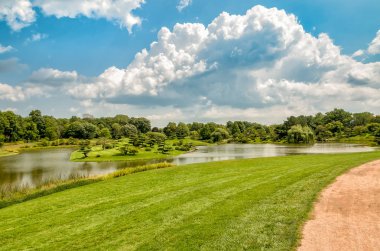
[246, 204]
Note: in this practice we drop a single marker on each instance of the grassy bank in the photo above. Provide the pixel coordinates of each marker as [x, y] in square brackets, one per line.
[10, 149]
[251, 204]
[97, 153]
[10, 196]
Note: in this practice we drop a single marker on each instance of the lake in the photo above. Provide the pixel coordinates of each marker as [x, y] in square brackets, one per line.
[33, 168]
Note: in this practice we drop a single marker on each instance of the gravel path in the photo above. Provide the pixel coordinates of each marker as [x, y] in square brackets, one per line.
[347, 214]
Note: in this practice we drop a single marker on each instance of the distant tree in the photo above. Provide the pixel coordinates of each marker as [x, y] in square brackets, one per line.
[322, 133]
[104, 135]
[121, 119]
[37, 118]
[205, 133]
[170, 130]
[298, 134]
[335, 127]
[116, 131]
[2, 138]
[75, 130]
[182, 131]
[338, 115]
[156, 136]
[142, 124]
[89, 130]
[361, 119]
[130, 131]
[194, 135]
[219, 134]
[31, 131]
[155, 129]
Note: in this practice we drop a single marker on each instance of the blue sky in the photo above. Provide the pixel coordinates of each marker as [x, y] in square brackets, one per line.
[89, 44]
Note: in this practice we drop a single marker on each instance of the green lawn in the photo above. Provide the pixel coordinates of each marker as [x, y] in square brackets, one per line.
[255, 204]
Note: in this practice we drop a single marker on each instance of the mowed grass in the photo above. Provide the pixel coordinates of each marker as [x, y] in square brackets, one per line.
[254, 204]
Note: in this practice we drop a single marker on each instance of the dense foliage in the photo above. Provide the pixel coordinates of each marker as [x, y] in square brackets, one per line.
[334, 125]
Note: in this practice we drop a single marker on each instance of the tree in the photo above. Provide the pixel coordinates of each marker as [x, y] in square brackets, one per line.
[1, 140]
[205, 133]
[104, 135]
[156, 136]
[51, 128]
[116, 131]
[37, 118]
[142, 124]
[219, 134]
[170, 130]
[31, 131]
[182, 131]
[89, 130]
[298, 134]
[322, 133]
[75, 130]
[335, 127]
[338, 115]
[361, 119]
[130, 131]
[85, 151]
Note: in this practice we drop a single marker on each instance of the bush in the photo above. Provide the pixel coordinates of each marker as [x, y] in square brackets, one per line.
[72, 141]
[148, 149]
[108, 146]
[44, 142]
[132, 150]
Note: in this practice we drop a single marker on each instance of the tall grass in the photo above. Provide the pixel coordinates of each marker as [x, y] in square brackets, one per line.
[10, 195]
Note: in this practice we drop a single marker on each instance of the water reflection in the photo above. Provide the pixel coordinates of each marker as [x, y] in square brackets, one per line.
[33, 168]
[240, 151]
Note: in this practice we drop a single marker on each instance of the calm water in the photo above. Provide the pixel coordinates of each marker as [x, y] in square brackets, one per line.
[33, 168]
[239, 151]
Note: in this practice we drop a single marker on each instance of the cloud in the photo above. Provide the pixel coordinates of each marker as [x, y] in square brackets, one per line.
[4, 49]
[18, 93]
[183, 4]
[119, 11]
[11, 65]
[254, 61]
[18, 14]
[374, 47]
[53, 77]
[36, 37]
[258, 66]
[358, 53]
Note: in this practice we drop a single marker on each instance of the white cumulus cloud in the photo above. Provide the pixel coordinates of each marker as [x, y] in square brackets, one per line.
[263, 58]
[119, 11]
[19, 93]
[183, 4]
[374, 47]
[20, 13]
[17, 13]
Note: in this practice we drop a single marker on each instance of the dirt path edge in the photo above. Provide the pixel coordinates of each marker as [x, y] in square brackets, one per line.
[346, 215]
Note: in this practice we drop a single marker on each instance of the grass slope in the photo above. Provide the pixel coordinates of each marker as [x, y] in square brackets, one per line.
[251, 204]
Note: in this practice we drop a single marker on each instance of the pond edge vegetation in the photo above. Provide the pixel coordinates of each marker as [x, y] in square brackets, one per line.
[10, 196]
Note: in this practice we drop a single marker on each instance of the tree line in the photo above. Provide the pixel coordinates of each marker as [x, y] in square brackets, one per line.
[334, 125]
